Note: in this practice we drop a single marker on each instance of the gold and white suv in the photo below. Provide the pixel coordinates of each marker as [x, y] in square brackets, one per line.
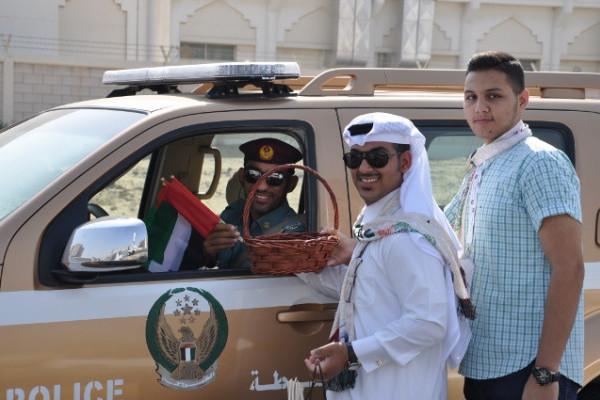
[81, 318]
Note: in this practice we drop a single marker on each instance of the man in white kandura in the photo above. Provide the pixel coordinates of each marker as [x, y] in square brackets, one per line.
[403, 302]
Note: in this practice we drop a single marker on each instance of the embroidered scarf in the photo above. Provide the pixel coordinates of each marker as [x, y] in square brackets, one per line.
[391, 221]
[470, 190]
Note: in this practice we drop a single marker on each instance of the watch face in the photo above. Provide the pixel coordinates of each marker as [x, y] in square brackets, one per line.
[543, 376]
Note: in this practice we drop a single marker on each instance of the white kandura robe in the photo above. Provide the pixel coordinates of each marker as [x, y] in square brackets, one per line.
[401, 315]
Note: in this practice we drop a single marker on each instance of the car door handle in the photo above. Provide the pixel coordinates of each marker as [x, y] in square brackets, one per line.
[305, 316]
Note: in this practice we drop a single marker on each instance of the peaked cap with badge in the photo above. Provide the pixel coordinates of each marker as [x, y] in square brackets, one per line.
[270, 151]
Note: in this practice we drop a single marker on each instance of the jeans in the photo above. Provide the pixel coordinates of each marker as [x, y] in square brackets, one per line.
[510, 387]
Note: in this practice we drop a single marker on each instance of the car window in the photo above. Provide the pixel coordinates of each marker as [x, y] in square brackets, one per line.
[123, 196]
[37, 151]
[448, 150]
[206, 164]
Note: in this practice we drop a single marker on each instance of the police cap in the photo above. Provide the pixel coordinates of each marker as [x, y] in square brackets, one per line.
[270, 151]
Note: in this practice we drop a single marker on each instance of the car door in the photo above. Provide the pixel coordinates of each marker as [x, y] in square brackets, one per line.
[67, 334]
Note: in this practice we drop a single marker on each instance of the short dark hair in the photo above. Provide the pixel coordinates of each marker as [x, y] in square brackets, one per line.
[500, 61]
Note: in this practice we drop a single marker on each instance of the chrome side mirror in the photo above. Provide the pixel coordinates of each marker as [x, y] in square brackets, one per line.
[107, 244]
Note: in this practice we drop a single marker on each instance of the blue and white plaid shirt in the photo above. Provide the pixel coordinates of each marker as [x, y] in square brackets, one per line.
[520, 187]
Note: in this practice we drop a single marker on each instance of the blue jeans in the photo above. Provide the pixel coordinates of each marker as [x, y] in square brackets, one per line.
[510, 387]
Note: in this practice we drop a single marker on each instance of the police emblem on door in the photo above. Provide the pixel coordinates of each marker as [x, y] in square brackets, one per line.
[186, 332]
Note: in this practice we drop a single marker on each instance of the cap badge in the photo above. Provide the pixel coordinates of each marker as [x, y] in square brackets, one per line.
[266, 153]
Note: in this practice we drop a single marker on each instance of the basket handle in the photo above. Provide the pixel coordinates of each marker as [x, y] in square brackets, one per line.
[280, 168]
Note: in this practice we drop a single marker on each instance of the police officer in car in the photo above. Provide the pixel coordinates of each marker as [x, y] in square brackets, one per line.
[269, 213]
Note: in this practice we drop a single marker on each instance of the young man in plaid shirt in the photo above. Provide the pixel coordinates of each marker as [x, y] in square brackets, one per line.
[518, 214]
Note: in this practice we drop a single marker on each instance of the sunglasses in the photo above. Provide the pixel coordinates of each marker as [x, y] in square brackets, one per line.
[252, 175]
[377, 158]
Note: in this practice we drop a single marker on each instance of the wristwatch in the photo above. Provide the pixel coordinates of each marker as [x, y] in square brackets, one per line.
[544, 376]
[353, 363]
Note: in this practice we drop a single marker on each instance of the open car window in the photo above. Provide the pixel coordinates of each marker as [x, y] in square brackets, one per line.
[206, 164]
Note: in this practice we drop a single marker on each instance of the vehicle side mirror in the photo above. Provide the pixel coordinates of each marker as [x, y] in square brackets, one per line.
[107, 244]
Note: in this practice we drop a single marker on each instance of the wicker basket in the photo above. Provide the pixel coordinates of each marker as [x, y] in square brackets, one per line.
[288, 253]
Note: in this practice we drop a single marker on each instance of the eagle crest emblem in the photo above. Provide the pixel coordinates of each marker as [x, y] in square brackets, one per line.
[186, 331]
[266, 153]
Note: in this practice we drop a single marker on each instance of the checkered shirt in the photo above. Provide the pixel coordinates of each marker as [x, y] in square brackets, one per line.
[520, 187]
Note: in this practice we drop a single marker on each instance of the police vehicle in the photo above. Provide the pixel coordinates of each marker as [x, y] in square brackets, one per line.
[80, 315]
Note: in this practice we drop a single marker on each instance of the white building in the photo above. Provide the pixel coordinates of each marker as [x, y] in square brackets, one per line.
[55, 51]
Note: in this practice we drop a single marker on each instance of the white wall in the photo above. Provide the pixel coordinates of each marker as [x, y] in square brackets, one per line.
[53, 51]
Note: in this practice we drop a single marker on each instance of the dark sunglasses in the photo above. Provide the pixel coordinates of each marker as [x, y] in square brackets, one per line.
[252, 175]
[377, 158]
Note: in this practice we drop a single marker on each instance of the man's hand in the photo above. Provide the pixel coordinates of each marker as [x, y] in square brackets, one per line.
[332, 357]
[221, 237]
[342, 253]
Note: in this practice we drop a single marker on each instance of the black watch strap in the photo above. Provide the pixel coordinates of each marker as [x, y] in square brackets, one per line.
[352, 359]
[353, 363]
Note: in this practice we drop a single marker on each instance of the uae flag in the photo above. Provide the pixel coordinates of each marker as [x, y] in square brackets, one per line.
[187, 352]
[177, 225]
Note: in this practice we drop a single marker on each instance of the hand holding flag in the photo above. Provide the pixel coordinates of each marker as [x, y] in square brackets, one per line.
[177, 224]
[189, 206]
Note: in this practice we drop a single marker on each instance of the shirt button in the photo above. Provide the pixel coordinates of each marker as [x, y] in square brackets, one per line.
[379, 362]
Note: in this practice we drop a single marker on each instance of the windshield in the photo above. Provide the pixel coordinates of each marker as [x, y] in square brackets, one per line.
[37, 151]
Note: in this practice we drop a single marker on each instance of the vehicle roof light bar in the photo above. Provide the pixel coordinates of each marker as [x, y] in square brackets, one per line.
[203, 73]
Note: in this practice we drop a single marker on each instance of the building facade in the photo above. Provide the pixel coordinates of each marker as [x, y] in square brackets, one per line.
[55, 51]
